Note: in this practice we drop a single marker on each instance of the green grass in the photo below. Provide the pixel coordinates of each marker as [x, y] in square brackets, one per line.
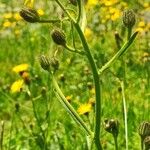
[46, 124]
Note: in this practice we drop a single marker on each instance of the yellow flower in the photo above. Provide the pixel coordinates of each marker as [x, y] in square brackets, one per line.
[141, 24]
[20, 68]
[88, 33]
[17, 16]
[40, 12]
[17, 86]
[84, 108]
[7, 15]
[29, 3]
[7, 24]
[69, 98]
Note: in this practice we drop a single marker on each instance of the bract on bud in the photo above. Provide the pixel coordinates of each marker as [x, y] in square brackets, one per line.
[29, 15]
[58, 37]
[129, 18]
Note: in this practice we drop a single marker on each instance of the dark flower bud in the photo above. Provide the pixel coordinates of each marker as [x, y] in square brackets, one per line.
[129, 18]
[144, 129]
[29, 15]
[58, 37]
[73, 2]
[54, 63]
[45, 62]
[147, 143]
[112, 126]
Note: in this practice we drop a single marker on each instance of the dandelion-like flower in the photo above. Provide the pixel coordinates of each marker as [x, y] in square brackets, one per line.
[17, 86]
[20, 68]
[84, 108]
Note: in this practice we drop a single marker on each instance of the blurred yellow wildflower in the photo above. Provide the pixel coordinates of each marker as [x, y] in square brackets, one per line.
[84, 108]
[91, 3]
[17, 86]
[141, 24]
[40, 12]
[69, 98]
[20, 68]
[146, 5]
[17, 16]
[8, 15]
[7, 24]
[17, 32]
[109, 2]
[29, 3]
[88, 33]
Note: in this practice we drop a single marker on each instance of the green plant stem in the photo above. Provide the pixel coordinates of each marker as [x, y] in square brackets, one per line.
[129, 33]
[79, 10]
[49, 21]
[125, 113]
[97, 86]
[95, 76]
[74, 50]
[119, 53]
[67, 105]
[2, 134]
[116, 142]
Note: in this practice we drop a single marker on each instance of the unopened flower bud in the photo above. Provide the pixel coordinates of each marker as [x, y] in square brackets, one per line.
[55, 63]
[147, 143]
[58, 37]
[29, 15]
[144, 129]
[112, 126]
[129, 18]
[73, 2]
[45, 62]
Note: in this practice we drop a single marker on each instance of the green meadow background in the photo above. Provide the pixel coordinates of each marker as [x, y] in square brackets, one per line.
[42, 122]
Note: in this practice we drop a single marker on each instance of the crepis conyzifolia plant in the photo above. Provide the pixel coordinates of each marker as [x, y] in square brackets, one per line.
[51, 65]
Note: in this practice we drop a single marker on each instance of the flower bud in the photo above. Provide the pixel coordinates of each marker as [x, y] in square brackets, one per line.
[29, 15]
[58, 37]
[147, 143]
[144, 129]
[129, 18]
[54, 63]
[73, 2]
[45, 62]
[112, 126]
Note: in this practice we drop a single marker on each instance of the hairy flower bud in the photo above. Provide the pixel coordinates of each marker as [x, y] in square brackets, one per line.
[112, 126]
[45, 62]
[144, 129]
[129, 18]
[54, 63]
[58, 37]
[29, 15]
[73, 2]
[147, 143]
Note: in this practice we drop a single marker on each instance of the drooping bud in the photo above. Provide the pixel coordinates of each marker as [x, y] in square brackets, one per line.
[147, 143]
[144, 129]
[112, 126]
[73, 2]
[45, 62]
[29, 15]
[58, 37]
[129, 18]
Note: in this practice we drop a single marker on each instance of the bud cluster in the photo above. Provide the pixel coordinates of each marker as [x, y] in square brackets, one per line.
[49, 64]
